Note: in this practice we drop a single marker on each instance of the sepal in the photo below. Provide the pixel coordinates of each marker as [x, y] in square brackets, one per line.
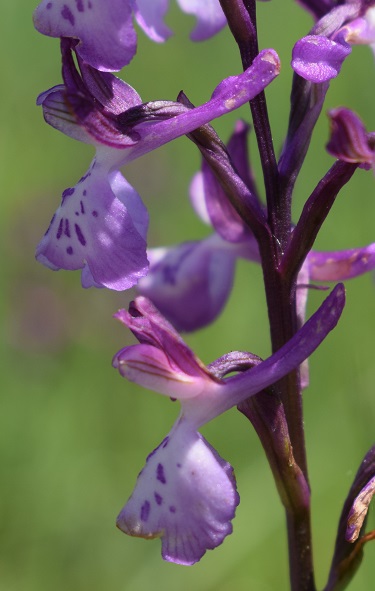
[151, 368]
[190, 283]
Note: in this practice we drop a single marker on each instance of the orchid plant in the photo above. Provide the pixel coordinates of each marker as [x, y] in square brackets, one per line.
[186, 494]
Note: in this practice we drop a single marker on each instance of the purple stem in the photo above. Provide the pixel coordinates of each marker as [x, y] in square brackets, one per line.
[241, 16]
[280, 291]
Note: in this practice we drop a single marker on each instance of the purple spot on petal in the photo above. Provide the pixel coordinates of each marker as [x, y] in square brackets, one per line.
[49, 5]
[67, 193]
[84, 193]
[80, 235]
[82, 208]
[179, 465]
[67, 14]
[145, 511]
[80, 6]
[84, 177]
[67, 228]
[160, 474]
[60, 229]
[69, 250]
[90, 5]
[76, 213]
[158, 498]
[94, 213]
[172, 509]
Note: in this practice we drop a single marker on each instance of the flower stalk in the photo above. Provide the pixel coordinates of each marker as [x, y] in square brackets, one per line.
[186, 495]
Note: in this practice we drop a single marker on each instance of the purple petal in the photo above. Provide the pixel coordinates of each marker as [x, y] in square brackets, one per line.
[341, 264]
[318, 59]
[239, 387]
[224, 218]
[150, 367]
[190, 283]
[209, 14]
[100, 226]
[186, 495]
[349, 141]
[105, 30]
[150, 17]
[87, 106]
[151, 328]
[361, 31]
[57, 114]
[229, 95]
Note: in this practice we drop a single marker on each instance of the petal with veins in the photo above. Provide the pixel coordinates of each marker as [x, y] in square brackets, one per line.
[107, 37]
[186, 495]
[100, 227]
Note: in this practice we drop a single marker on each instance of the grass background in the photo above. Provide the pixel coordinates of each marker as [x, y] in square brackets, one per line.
[73, 434]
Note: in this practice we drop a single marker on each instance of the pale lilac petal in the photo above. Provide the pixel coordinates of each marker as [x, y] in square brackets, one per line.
[150, 17]
[185, 495]
[209, 14]
[198, 199]
[190, 283]
[318, 59]
[105, 30]
[151, 368]
[94, 229]
[57, 114]
[151, 328]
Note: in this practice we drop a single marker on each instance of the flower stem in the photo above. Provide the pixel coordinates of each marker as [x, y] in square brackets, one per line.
[280, 291]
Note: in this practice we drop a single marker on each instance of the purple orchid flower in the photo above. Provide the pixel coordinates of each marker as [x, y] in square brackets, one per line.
[186, 493]
[318, 57]
[105, 30]
[101, 224]
[198, 276]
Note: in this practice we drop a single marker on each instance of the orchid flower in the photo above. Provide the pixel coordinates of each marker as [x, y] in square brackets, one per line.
[105, 30]
[190, 283]
[319, 56]
[186, 493]
[101, 224]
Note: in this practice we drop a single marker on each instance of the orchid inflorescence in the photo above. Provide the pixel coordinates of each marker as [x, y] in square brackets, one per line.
[186, 494]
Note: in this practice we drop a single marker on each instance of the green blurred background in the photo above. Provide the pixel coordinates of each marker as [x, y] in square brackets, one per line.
[73, 434]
